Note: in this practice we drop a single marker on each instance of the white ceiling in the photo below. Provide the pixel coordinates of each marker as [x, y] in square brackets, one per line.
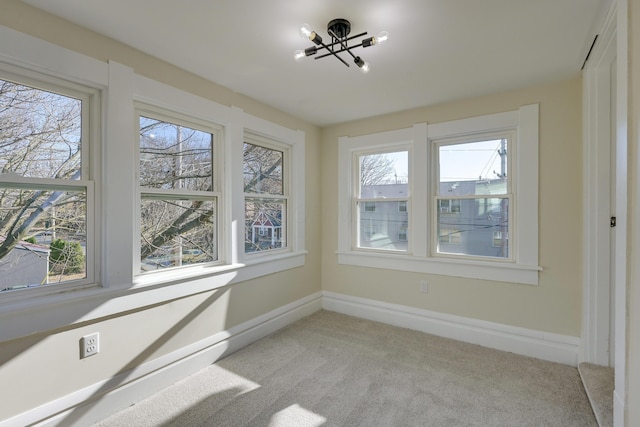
[438, 50]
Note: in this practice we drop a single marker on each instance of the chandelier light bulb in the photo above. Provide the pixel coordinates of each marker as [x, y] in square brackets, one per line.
[299, 55]
[362, 64]
[382, 37]
[305, 31]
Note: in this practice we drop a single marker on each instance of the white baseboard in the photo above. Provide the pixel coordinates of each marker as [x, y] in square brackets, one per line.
[542, 345]
[100, 400]
[96, 402]
[618, 410]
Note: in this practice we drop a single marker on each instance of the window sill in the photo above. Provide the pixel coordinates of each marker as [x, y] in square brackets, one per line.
[486, 270]
[28, 314]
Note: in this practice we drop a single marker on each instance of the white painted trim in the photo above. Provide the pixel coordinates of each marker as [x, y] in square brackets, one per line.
[613, 31]
[618, 409]
[597, 188]
[347, 146]
[295, 140]
[102, 399]
[523, 269]
[620, 9]
[487, 270]
[119, 288]
[528, 342]
[34, 54]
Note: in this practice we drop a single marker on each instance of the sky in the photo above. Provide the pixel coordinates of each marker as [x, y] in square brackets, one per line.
[460, 162]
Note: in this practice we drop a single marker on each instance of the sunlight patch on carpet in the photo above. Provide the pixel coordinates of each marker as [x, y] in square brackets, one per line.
[296, 415]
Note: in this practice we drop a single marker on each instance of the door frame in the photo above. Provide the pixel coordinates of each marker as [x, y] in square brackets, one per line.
[598, 147]
[613, 35]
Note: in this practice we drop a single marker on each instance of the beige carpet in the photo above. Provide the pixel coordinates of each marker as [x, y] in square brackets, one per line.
[334, 370]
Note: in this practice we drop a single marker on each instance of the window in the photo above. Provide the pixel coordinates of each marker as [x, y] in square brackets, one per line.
[402, 233]
[46, 187]
[449, 205]
[382, 192]
[266, 195]
[473, 194]
[178, 192]
[471, 189]
[499, 241]
[90, 194]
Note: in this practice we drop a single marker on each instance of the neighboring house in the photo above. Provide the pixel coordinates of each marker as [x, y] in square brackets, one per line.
[383, 224]
[265, 231]
[26, 265]
[471, 226]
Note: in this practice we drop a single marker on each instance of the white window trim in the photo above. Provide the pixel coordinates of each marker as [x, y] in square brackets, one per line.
[285, 149]
[435, 144]
[22, 57]
[373, 202]
[217, 168]
[524, 269]
[117, 288]
[293, 140]
[231, 204]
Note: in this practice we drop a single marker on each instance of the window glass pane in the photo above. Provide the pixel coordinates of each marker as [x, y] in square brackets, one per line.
[402, 232]
[384, 175]
[264, 227]
[262, 169]
[43, 236]
[472, 230]
[173, 156]
[473, 168]
[384, 228]
[40, 132]
[177, 232]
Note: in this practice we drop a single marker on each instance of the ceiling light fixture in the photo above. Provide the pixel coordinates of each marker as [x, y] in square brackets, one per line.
[339, 30]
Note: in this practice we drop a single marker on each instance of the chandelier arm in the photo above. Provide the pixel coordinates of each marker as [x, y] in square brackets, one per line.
[331, 52]
[343, 44]
[337, 51]
[349, 38]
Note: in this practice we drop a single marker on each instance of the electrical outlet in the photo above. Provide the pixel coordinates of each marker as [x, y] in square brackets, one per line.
[89, 345]
[424, 287]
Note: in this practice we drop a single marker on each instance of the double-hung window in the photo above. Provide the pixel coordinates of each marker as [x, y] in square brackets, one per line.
[461, 198]
[179, 191]
[381, 199]
[47, 223]
[265, 170]
[472, 195]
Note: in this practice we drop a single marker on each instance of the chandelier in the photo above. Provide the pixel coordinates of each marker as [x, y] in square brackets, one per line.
[339, 30]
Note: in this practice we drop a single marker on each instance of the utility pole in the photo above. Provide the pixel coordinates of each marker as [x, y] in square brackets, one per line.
[504, 208]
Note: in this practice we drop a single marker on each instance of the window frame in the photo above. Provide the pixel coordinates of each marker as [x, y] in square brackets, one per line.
[370, 204]
[90, 145]
[437, 199]
[146, 193]
[523, 269]
[271, 144]
[116, 287]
